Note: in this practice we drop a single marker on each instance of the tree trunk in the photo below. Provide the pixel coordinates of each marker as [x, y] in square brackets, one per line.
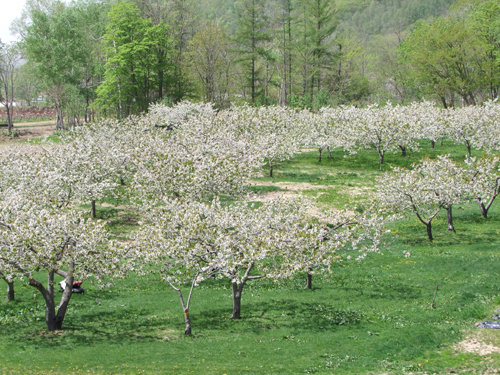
[187, 331]
[185, 307]
[451, 228]
[429, 231]
[403, 150]
[52, 320]
[270, 170]
[433, 143]
[50, 307]
[60, 122]
[309, 281]
[92, 209]
[10, 291]
[468, 148]
[320, 150]
[484, 210]
[442, 138]
[9, 118]
[329, 151]
[63, 306]
[237, 301]
[381, 157]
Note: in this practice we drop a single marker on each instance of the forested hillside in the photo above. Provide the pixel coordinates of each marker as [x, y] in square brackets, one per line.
[370, 18]
[363, 17]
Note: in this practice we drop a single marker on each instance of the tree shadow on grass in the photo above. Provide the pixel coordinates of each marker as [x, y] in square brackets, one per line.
[112, 327]
[278, 314]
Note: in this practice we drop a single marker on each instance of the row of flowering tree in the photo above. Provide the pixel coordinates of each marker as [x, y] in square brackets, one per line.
[174, 165]
[396, 128]
[433, 185]
[275, 241]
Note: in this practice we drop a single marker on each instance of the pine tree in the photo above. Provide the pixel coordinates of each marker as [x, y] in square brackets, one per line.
[316, 24]
[285, 36]
[251, 35]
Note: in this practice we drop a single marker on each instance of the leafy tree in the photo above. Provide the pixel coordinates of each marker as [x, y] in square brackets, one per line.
[182, 19]
[485, 22]
[212, 60]
[136, 62]
[9, 61]
[321, 26]
[393, 78]
[54, 44]
[28, 86]
[447, 59]
[347, 81]
[315, 25]
[285, 43]
[93, 18]
[182, 16]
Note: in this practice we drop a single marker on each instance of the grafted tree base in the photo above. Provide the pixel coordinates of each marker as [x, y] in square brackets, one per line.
[483, 208]
[429, 232]
[403, 150]
[187, 331]
[10, 292]
[92, 209]
[309, 281]
[236, 301]
[451, 227]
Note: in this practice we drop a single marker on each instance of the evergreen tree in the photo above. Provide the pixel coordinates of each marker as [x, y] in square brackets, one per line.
[316, 25]
[251, 35]
[285, 42]
[321, 28]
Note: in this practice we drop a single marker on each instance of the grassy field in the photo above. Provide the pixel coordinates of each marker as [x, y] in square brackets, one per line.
[369, 317]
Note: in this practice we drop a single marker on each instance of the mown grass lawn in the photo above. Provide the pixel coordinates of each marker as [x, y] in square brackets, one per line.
[369, 317]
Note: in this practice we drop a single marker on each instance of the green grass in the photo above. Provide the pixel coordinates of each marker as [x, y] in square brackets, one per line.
[369, 317]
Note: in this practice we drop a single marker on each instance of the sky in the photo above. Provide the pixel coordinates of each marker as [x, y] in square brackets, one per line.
[10, 9]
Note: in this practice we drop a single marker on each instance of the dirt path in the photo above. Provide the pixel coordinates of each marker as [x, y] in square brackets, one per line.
[25, 133]
[34, 123]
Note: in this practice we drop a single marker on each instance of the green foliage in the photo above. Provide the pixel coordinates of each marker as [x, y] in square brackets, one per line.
[300, 101]
[373, 18]
[211, 62]
[457, 57]
[54, 44]
[138, 64]
[62, 45]
[316, 22]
